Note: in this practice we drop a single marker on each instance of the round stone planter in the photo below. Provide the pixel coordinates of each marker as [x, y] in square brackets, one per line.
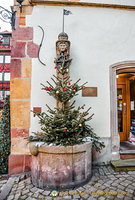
[60, 167]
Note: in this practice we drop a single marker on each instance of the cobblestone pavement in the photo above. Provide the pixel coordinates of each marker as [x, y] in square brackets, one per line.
[3, 181]
[105, 184]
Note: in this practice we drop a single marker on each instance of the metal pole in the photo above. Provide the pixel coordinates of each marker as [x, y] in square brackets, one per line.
[63, 22]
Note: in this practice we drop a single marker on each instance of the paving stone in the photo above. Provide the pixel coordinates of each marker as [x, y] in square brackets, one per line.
[46, 193]
[115, 184]
[67, 197]
[85, 196]
[124, 184]
[131, 172]
[129, 190]
[121, 187]
[23, 197]
[35, 195]
[130, 178]
[76, 196]
[98, 188]
[110, 197]
[33, 189]
[41, 196]
[133, 184]
[91, 198]
[10, 197]
[92, 189]
[29, 198]
[25, 192]
[120, 196]
[30, 193]
[81, 189]
[101, 198]
[126, 198]
[101, 171]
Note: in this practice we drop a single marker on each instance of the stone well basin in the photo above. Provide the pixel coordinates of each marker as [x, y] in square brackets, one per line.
[60, 167]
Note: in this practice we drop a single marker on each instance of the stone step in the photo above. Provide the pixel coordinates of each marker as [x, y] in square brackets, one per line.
[128, 164]
[128, 154]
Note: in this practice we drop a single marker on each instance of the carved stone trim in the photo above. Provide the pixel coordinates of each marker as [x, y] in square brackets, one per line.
[126, 66]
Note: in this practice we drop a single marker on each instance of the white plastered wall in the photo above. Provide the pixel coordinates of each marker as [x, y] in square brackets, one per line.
[99, 38]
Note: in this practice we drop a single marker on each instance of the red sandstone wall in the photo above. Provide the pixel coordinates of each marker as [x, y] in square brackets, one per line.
[22, 51]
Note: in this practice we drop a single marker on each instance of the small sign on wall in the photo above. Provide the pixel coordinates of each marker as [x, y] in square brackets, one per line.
[89, 92]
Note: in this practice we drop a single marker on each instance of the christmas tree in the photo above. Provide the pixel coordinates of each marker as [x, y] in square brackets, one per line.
[5, 136]
[65, 125]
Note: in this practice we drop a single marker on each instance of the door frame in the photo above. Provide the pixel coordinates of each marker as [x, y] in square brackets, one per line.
[117, 68]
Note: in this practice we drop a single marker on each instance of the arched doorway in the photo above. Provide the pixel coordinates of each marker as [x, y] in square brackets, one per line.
[118, 125]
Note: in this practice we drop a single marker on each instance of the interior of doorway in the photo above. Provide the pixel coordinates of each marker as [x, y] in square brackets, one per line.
[126, 110]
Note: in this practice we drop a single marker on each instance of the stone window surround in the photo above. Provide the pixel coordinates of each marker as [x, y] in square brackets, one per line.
[125, 66]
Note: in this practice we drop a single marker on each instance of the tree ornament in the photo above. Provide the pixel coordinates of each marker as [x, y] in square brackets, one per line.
[65, 131]
[69, 83]
[50, 88]
[64, 89]
[57, 92]
[55, 67]
[65, 55]
[69, 101]
[67, 70]
[37, 134]
[46, 89]
[34, 115]
[80, 125]
[72, 88]
[61, 68]
[82, 107]
[83, 115]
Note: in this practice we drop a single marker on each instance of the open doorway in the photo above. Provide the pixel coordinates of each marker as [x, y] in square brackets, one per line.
[126, 110]
[126, 68]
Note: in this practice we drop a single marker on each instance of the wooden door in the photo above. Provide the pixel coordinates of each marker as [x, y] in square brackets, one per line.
[122, 111]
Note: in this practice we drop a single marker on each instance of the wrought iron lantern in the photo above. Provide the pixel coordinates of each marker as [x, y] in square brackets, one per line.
[9, 16]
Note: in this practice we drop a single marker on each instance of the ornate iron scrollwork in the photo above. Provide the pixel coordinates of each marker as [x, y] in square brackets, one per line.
[41, 45]
[7, 16]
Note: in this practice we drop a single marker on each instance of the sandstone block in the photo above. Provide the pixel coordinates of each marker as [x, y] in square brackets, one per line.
[19, 132]
[18, 49]
[20, 114]
[32, 50]
[19, 163]
[19, 146]
[23, 33]
[15, 69]
[26, 68]
[20, 88]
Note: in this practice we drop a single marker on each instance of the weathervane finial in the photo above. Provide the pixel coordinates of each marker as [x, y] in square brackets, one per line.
[65, 12]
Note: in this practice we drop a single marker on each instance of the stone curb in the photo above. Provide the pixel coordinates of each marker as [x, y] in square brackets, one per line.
[6, 188]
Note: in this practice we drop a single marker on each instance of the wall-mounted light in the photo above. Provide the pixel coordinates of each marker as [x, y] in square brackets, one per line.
[9, 16]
